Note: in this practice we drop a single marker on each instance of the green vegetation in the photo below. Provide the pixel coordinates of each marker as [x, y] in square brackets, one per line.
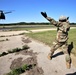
[72, 38]
[30, 28]
[48, 37]
[21, 70]
[25, 47]
[25, 23]
[30, 23]
[17, 71]
[25, 27]
[4, 53]
[4, 40]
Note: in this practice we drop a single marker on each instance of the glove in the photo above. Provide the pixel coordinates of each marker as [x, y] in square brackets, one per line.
[44, 14]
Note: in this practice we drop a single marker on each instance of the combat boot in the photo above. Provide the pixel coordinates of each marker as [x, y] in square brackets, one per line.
[68, 65]
[49, 56]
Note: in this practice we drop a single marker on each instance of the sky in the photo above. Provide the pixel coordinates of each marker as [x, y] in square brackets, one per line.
[29, 10]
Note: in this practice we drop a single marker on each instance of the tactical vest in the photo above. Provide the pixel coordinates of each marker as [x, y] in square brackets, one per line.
[62, 32]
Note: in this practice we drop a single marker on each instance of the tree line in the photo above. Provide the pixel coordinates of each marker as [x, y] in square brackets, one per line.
[31, 23]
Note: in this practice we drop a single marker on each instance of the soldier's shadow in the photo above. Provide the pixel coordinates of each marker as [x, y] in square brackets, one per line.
[71, 73]
[57, 54]
[70, 47]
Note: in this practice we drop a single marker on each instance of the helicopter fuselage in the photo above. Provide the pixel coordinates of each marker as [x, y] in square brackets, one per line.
[2, 15]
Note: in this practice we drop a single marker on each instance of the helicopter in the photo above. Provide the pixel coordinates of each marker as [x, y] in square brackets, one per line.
[2, 14]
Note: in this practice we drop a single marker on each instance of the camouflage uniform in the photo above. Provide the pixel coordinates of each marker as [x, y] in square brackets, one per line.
[62, 36]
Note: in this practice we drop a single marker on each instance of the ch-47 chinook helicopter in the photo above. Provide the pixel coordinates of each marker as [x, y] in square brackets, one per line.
[2, 14]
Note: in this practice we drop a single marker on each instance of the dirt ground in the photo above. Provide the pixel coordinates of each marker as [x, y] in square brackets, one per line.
[18, 59]
[36, 54]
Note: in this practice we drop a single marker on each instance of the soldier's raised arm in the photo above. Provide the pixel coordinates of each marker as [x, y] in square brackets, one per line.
[49, 18]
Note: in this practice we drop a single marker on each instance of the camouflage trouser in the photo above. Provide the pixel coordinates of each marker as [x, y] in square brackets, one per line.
[64, 47]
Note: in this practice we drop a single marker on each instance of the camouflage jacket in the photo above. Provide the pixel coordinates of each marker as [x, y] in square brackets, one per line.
[62, 30]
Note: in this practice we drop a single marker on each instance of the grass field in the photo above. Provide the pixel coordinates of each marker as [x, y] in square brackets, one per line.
[48, 37]
[25, 27]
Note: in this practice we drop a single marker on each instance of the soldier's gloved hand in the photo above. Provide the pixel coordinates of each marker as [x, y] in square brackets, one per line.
[44, 14]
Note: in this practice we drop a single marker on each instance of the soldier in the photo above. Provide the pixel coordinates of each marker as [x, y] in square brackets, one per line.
[62, 37]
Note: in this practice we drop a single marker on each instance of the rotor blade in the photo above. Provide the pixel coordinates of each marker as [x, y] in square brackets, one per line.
[7, 12]
[1, 11]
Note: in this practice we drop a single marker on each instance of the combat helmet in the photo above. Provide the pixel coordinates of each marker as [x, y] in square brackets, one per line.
[63, 18]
